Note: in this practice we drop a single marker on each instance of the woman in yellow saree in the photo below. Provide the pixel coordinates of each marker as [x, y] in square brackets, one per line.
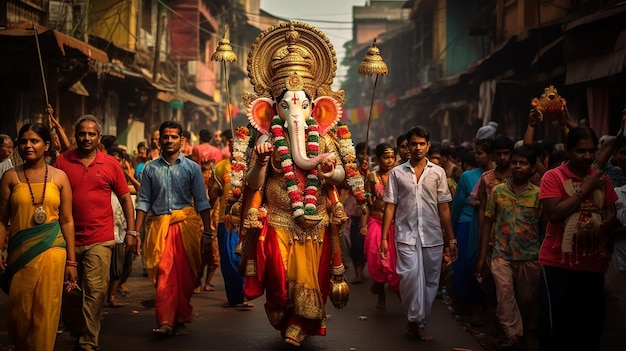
[37, 198]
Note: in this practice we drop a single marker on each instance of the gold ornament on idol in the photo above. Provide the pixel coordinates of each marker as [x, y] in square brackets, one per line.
[39, 216]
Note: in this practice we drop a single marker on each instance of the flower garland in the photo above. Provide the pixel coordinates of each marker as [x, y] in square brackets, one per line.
[238, 161]
[300, 206]
[348, 155]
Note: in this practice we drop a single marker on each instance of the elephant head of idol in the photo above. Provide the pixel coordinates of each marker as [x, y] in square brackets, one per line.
[289, 79]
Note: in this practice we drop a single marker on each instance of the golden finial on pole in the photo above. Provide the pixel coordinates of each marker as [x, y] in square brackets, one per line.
[372, 64]
[224, 53]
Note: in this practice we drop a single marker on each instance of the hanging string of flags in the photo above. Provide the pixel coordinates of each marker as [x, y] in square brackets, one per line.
[359, 114]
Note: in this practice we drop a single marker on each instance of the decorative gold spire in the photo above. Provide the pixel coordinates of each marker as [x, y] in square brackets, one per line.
[289, 61]
[224, 51]
[373, 63]
[293, 47]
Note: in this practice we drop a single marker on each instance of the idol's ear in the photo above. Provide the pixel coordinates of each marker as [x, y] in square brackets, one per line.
[327, 112]
[260, 114]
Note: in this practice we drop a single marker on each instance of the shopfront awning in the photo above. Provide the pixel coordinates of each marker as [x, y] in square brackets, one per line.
[165, 92]
[64, 40]
[609, 59]
[596, 17]
[50, 37]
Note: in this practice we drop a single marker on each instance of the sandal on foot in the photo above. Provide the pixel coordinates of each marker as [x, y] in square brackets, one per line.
[423, 335]
[245, 304]
[163, 330]
[181, 329]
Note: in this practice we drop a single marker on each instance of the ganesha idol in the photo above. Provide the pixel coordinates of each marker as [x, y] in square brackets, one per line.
[286, 167]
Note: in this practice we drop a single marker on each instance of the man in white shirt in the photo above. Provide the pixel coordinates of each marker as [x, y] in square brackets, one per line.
[417, 200]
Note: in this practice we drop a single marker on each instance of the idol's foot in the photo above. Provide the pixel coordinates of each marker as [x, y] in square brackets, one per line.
[292, 341]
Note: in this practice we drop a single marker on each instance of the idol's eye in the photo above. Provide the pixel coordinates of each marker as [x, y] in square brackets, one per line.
[305, 105]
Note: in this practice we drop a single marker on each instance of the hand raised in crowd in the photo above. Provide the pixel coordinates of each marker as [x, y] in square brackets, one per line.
[533, 118]
[566, 120]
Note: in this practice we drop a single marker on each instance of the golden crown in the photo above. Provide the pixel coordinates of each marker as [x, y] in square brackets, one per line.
[292, 49]
[292, 61]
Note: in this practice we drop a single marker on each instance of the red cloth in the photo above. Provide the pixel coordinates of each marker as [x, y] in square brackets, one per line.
[91, 189]
[550, 254]
[175, 282]
[206, 152]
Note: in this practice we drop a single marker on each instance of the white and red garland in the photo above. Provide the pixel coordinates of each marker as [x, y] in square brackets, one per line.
[299, 206]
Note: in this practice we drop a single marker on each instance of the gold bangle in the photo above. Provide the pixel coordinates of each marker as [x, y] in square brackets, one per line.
[452, 241]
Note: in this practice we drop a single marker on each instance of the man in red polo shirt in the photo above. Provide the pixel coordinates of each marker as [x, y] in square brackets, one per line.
[93, 176]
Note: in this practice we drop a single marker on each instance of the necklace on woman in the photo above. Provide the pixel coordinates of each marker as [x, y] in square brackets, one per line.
[39, 216]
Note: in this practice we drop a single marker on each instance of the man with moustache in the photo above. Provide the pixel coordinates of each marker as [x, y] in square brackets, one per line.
[417, 202]
[6, 149]
[154, 151]
[93, 176]
[172, 188]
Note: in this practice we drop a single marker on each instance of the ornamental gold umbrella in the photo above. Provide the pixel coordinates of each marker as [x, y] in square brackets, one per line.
[224, 53]
[372, 64]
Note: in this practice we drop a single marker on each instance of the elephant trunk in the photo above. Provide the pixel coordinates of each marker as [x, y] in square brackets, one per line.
[297, 139]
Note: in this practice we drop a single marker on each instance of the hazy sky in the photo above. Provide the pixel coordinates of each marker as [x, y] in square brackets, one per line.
[333, 17]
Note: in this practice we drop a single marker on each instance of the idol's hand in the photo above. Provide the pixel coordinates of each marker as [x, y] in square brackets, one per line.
[263, 152]
[328, 164]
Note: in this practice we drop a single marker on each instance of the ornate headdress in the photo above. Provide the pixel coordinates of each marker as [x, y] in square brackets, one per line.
[289, 49]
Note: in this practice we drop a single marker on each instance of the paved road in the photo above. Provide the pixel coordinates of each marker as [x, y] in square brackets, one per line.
[218, 328]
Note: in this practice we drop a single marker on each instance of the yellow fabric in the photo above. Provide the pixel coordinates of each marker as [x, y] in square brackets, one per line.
[190, 227]
[222, 175]
[302, 261]
[34, 303]
[22, 214]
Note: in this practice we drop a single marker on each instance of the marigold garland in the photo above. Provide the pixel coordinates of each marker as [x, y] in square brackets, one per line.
[348, 156]
[300, 206]
[238, 161]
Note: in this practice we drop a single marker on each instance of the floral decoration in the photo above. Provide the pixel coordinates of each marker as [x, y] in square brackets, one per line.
[238, 160]
[348, 157]
[299, 206]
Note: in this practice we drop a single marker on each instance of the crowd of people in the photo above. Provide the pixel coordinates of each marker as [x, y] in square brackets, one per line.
[71, 218]
[531, 236]
[532, 233]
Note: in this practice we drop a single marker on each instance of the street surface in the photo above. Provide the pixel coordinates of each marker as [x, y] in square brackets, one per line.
[359, 326]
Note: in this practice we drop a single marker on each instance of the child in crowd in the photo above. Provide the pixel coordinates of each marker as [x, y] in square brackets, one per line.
[515, 210]
[381, 271]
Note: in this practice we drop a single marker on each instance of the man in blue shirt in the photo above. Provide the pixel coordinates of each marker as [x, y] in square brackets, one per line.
[172, 188]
